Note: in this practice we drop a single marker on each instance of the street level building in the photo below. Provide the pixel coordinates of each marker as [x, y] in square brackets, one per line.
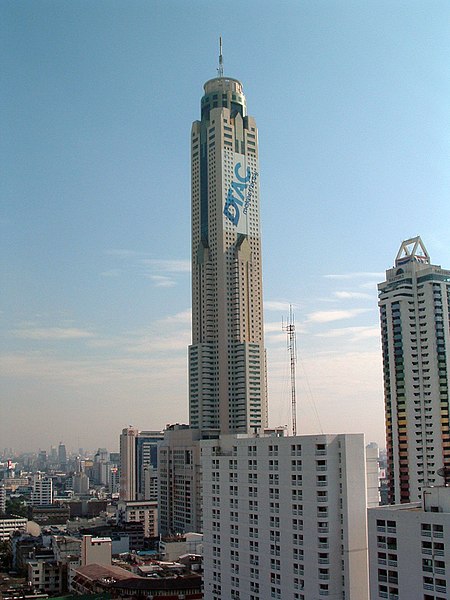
[409, 548]
[414, 306]
[227, 367]
[284, 517]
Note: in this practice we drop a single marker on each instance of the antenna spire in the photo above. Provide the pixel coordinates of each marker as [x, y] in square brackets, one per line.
[289, 328]
[220, 69]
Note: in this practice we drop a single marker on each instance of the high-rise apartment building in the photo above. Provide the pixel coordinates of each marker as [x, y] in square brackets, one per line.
[138, 451]
[284, 517]
[414, 306]
[227, 372]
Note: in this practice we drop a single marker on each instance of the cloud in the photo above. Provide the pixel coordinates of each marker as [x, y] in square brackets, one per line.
[350, 295]
[168, 266]
[325, 316]
[111, 273]
[53, 333]
[161, 281]
[356, 275]
[354, 333]
[279, 305]
[123, 253]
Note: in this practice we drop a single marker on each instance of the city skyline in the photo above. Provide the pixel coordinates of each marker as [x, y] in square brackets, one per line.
[354, 140]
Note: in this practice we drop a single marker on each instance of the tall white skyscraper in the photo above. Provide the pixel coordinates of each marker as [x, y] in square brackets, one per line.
[414, 306]
[227, 373]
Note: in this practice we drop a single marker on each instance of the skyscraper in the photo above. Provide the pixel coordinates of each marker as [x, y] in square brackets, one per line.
[138, 452]
[227, 373]
[414, 306]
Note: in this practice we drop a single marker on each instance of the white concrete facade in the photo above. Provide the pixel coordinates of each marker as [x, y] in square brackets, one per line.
[227, 368]
[42, 490]
[409, 548]
[414, 306]
[284, 517]
[179, 476]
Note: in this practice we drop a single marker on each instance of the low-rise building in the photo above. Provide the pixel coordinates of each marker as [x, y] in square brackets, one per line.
[95, 550]
[10, 524]
[140, 511]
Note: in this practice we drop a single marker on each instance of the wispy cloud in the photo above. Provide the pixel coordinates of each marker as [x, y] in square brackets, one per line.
[53, 333]
[326, 316]
[168, 266]
[162, 281]
[356, 275]
[111, 273]
[279, 305]
[354, 333]
[123, 253]
[351, 295]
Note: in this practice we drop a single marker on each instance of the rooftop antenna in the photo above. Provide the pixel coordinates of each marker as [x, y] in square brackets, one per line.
[220, 69]
[289, 328]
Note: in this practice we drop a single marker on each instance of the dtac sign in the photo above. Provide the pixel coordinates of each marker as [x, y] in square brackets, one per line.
[239, 196]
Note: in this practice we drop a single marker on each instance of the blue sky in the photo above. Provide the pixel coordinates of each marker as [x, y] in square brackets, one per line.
[351, 101]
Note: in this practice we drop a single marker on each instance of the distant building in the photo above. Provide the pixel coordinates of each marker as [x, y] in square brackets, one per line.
[42, 490]
[373, 475]
[2, 499]
[62, 456]
[141, 511]
[138, 451]
[9, 524]
[284, 517]
[414, 306]
[409, 548]
[80, 482]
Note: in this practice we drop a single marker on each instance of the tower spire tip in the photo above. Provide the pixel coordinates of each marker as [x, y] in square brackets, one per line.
[220, 68]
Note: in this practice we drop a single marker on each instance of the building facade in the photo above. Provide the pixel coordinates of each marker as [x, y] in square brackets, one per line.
[409, 548]
[414, 306]
[284, 517]
[139, 511]
[138, 453]
[227, 367]
[42, 490]
[179, 474]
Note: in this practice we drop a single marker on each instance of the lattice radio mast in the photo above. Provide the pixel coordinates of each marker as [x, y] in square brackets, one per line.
[289, 328]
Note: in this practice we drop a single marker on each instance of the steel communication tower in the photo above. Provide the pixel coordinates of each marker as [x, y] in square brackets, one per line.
[289, 328]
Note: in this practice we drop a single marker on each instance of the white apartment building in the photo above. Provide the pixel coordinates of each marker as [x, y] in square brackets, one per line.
[42, 490]
[414, 306]
[409, 548]
[227, 368]
[2, 499]
[284, 517]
